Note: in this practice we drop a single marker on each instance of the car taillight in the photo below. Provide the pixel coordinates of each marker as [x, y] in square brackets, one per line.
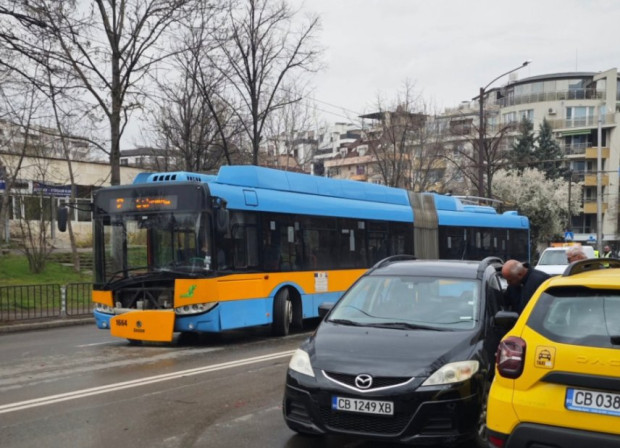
[510, 357]
[496, 442]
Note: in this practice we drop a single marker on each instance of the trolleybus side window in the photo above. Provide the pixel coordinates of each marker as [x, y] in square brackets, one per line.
[377, 241]
[401, 238]
[352, 244]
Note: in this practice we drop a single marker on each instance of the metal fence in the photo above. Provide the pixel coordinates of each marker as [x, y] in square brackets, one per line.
[26, 302]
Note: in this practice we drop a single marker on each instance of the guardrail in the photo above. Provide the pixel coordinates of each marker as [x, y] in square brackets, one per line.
[26, 302]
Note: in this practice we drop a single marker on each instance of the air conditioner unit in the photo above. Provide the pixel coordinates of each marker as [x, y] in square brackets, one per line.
[551, 111]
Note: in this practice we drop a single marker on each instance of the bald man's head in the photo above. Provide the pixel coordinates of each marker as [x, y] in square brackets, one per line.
[513, 271]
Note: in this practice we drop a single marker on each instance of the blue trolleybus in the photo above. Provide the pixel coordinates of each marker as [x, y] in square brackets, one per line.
[186, 252]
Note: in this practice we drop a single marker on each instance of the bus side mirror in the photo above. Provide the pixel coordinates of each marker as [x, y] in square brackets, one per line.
[62, 215]
[222, 220]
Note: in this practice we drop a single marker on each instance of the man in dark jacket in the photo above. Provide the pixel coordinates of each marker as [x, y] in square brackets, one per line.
[523, 281]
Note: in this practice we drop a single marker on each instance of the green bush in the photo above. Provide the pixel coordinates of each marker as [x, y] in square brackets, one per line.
[14, 271]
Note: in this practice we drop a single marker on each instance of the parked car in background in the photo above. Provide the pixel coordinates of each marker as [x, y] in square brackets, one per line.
[553, 260]
[405, 355]
[557, 381]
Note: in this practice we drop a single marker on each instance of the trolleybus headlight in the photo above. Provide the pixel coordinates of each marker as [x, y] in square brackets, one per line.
[194, 308]
[300, 362]
[104, 308]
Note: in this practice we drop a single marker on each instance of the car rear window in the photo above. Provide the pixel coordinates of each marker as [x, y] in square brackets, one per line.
[578, 316]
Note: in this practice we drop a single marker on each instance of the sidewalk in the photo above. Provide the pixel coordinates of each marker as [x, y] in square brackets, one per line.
[14, 327]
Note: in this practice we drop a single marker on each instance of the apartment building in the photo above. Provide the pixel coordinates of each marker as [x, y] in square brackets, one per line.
[35, 140]
[576, 104]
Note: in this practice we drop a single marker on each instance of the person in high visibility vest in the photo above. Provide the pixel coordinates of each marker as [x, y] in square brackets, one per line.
[596, 253]
[606, 252]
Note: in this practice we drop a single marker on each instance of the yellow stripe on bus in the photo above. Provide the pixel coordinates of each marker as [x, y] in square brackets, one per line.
[250, 286]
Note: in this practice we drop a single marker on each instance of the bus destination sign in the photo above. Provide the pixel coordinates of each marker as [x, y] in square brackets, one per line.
[161, 202]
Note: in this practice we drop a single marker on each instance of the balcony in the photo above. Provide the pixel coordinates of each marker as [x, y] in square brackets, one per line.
[575, 149]
[590, 180]
[590, 206]
[584, 150]
[592, 153]
[559, 95]
[581, 122]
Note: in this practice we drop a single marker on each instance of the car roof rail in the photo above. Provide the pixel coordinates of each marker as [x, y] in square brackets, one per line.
[591, 264]
[392, 259]
[489, 261]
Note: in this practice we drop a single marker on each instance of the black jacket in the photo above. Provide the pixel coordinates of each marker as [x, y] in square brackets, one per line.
[518, 296]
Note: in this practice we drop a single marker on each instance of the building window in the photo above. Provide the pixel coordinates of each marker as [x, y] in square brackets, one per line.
[510, 117]
[580, 116]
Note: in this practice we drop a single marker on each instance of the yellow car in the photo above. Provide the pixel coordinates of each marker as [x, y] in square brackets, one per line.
[557, 372]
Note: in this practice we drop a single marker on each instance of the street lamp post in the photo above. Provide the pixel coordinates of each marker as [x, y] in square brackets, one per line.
[482, 128]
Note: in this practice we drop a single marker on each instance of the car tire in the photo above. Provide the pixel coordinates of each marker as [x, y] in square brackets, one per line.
[282, 313]
[481, 437]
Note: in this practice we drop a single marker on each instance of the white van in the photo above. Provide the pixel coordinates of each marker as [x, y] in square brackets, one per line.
[553, 260]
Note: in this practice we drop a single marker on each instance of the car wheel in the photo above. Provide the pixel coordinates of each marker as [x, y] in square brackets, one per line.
[282, 313]
[481, 437]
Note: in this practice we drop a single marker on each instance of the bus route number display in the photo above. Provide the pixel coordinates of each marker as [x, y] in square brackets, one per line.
[143, 203]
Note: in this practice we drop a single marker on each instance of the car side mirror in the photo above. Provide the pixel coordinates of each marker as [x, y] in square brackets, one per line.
[324, 308]
[505, 318]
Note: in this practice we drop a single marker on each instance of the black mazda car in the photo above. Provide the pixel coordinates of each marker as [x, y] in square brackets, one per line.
[405, 355]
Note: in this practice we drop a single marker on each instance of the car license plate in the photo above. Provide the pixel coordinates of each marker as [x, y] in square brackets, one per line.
[593, 402]
[364, 406]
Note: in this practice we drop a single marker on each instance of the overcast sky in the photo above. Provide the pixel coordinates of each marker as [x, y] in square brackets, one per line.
[451, 48]
[448, 48]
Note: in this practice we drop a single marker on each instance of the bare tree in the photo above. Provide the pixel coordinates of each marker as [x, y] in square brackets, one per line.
[192, 122]
[465, 153]
[404, 142]
[291, 131]
[18, 106]
[258, 51]
[21, 103]
[62, 134]
[106, 45]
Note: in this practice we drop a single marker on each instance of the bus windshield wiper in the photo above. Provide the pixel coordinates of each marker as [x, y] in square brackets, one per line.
[113, 275]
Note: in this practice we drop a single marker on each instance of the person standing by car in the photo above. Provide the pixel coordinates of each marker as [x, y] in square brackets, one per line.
[607, 252]
[523, 281]
[575, 253]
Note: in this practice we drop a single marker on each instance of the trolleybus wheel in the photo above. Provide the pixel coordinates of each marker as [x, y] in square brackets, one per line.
[282, 313]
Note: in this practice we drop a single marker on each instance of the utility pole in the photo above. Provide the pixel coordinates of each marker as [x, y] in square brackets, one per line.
[599, 186]
[482, 129]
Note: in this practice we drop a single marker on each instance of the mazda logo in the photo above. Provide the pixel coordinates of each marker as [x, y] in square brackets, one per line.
[363, 381]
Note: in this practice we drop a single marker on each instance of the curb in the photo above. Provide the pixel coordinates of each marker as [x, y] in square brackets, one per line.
[43, 325]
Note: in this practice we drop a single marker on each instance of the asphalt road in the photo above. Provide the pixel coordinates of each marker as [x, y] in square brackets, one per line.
[78, 387]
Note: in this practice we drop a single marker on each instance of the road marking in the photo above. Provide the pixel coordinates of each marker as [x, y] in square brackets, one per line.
[21, 405]
[95, 343]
